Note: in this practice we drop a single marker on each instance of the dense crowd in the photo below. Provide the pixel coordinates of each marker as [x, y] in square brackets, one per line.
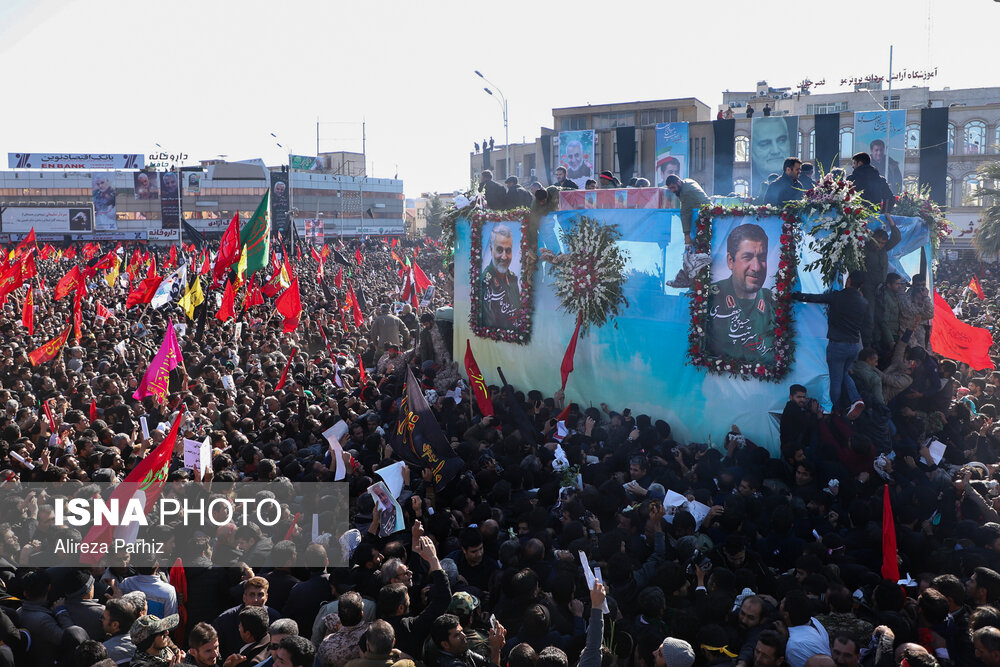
[785, 566]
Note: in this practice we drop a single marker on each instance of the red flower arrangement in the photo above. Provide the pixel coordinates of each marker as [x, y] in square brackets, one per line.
[784, 343]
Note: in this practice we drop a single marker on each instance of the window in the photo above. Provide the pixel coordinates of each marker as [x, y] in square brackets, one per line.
[911, 184]
[798, 150]
[741, 187]
[654, 116]
[619, 119]
[574, 123]
[812, 144]
[949, 189]
[892, 105]
[827, 107]
[975, 137]
[913, 136]
[996, 140]
[971, 185]
[951, 138]
[846, 142]
[742, 153]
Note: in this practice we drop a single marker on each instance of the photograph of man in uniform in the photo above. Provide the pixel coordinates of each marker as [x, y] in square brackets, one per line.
[666, 166]
[146, 188]
[771, 141]
[741, 309]
[574, 160]
[168, 185]
[500, 294]
[894, 175]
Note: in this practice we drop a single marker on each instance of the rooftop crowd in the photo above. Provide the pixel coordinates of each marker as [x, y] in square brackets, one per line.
[785, 568]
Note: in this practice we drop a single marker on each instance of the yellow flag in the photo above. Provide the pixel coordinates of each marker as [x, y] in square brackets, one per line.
[112, 276]
[192, 298]
[241, 268]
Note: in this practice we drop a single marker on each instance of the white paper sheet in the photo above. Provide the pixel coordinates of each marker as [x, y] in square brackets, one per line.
[333, 436]
[698, 510]
[591, 578]
[937, 451]
[393, 476]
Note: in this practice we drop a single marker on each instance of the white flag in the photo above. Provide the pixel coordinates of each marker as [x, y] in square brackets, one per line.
[171, 288]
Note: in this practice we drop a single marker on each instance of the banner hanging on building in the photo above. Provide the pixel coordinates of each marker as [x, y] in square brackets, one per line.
[772, 139]
[871, 130]
[672, 150]
[303, 162]
[75, 161]
[104, 197]
[576, 153]
[279, 203]
[21, 219]
[314, 231]
[170, 201]
[192, 181]
[147, 185]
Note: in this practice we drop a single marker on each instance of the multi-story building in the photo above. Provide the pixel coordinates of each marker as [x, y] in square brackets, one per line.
[973, 136]
[336, 203]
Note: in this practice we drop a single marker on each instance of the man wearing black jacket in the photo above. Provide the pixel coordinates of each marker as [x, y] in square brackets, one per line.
[845, 317]
[870, 184]
[787, 188]
[496, 194]
[799, 418]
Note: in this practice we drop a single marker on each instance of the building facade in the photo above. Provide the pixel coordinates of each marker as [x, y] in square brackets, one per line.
[322, 204]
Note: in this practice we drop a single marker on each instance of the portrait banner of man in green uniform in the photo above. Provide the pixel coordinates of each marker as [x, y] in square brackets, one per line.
[741, 304]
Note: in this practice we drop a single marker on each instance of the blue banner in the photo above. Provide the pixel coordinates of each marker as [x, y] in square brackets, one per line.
[672, 151]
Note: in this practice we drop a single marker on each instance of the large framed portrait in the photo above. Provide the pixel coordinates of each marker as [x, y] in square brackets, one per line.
[741, 320]
[500, 277]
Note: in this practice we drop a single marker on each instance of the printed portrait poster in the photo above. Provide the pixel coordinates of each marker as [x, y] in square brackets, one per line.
[279, 203]
[147, 185]
[170, 200]
[576, 153]
[500, 275]
[672, 148]
[314, 231]
[105, 201]
[871, 128]
[745, 255]
[772, 140]
[192, 181]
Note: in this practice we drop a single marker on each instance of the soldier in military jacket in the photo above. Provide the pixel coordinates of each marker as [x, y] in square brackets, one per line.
[500, 295]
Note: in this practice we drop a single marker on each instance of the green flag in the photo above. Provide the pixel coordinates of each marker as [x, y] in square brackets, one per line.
[256, 236]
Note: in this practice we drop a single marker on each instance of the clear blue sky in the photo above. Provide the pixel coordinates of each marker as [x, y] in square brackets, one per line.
[213, 77]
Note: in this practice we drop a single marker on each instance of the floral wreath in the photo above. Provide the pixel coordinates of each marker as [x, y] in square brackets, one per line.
[521, 334]
[842, 249]
[590, 275]
[702, 290]
[920, 205]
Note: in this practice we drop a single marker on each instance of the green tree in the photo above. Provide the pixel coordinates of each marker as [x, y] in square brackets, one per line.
[987, 238]
[435, 214]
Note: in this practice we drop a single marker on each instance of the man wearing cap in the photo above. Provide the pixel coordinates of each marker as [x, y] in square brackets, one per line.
[516, 195]
[607, 181]
[81, 605]
[464, 606]
[151, 636]
[674, 652]
[692, 198]
[741, 310]
[667, 166]
[499, 292]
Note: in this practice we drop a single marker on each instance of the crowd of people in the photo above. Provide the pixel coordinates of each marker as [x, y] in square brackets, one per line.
[516, 562]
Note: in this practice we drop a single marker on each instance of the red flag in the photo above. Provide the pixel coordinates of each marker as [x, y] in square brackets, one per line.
[254, 296]
[103, 314]
[144, 291]
[226, 310]
[178, 579]
[93, 410]
[289, 304]
[567, 363]
[172, 258]
[78, 314]
[291, 529]
[46, 251]
[284, 373]
[476, 381]
[315, 255]
[70, 252]
[976, 287]
[49, 350]
[395, 242]
[28, 313]
[151, 271]
[890, 564]
[338, 279]
[28, 270]
[149, 476]
[422, 282]
[290, 325]
[325, 252]
[25, 242]
[408, 287]
[12, 279]
[89, 250]
[69, 283]
[355, 308]
[107, 261]
[361, 369]
[396, 257]
[957, 340]
[357, 256]
[206, 266]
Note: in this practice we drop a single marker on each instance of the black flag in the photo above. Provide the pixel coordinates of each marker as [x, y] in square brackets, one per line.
[418, 439]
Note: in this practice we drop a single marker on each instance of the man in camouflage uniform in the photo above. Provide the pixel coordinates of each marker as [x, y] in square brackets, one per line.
[740, 310]
[501, 298]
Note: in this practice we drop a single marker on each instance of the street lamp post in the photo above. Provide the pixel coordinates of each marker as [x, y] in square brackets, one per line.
[503, 107]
